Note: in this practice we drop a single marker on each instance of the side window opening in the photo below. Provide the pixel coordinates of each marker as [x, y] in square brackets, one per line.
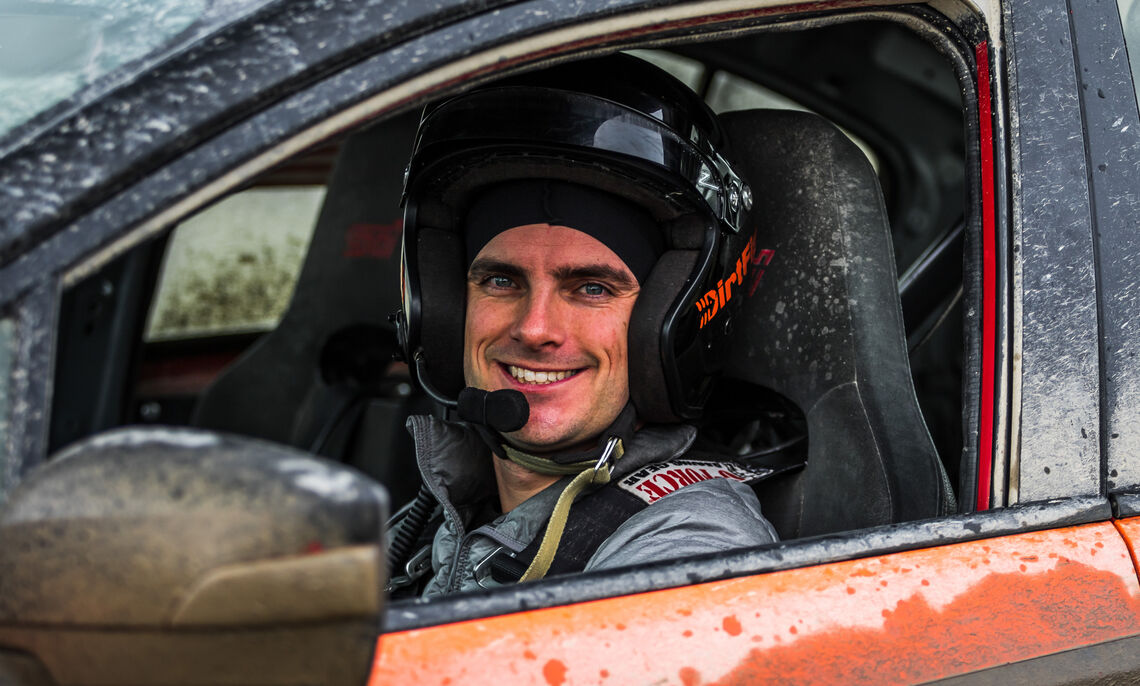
[228, 273]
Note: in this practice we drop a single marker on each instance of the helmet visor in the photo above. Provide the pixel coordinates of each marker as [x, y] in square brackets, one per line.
[530, 121]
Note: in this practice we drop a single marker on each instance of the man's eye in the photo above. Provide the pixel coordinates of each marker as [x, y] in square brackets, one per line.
[594, 289]
[501, 281]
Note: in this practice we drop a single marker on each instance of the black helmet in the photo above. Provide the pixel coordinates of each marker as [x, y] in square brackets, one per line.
[617, 124]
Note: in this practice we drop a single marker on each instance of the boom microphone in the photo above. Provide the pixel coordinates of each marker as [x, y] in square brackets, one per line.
[504, 410]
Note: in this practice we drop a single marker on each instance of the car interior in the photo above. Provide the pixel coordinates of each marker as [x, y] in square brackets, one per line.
[853, 137]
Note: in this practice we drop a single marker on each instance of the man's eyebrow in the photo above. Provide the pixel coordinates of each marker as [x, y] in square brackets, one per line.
[601, 272]
[486, 265]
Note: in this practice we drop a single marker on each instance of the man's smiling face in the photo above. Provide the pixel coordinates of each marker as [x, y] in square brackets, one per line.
[548, 313]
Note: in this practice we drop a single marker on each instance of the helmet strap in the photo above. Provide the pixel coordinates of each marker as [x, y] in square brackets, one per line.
[599, 475]
[565, 462]
[592, 467]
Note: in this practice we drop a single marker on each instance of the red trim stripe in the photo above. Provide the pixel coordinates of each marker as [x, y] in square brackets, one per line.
[989, 279]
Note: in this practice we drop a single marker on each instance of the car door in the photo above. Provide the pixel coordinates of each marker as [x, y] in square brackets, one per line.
[1032, 565]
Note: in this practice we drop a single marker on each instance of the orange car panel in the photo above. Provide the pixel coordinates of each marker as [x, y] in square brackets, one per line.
[1130, 530]
[897, 618]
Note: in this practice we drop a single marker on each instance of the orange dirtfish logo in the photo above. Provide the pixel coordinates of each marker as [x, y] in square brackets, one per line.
[715, 300]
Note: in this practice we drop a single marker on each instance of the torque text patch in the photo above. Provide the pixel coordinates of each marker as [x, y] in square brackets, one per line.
[655, 481]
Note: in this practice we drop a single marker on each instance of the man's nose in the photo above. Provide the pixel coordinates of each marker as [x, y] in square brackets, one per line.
[540, 320]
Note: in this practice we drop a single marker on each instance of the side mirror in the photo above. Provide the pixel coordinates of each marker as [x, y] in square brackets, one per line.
[180, 556]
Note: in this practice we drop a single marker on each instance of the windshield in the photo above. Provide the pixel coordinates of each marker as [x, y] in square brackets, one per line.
[50, 49]
[1130, 17]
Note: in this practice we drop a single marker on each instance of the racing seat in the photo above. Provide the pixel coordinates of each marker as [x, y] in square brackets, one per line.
[824, 328]
[321, 381]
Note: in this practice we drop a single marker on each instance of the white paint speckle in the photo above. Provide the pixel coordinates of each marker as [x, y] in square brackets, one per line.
[177, 438]
[315, 477]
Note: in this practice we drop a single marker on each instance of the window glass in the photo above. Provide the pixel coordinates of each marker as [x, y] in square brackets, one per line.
[50, 49]
[232, 267]
[728, 92]
[688, 71]
[1130, 17]
[7, 350]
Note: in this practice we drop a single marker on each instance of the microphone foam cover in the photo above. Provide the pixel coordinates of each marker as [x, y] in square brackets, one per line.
[507, 410]
[504, 411]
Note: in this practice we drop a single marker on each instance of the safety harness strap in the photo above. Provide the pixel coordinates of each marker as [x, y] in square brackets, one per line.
[598, 514]
[599, 475]
[593, 519]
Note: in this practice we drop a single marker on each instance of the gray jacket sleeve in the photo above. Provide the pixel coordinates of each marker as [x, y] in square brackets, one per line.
[706, 517]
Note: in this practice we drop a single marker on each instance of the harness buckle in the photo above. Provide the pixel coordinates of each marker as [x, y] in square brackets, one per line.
[483, 571]
[607, 453]
[416, 567]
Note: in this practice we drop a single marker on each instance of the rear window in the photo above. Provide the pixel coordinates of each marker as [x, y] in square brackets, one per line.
[232, 268]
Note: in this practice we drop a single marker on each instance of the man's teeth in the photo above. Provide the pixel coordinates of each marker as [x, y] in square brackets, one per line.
[531, 376]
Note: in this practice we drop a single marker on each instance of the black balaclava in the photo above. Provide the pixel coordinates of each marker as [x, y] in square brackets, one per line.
[622, 226]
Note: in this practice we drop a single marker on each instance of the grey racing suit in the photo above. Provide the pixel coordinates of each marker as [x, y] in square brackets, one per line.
[709, 510]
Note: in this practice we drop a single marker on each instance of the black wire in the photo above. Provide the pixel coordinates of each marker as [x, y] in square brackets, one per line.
[411, 528]
[946, 310]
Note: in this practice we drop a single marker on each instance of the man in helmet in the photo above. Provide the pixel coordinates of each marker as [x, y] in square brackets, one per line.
[574, 238]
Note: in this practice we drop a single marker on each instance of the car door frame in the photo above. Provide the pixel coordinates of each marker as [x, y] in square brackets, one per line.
[212, 151]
